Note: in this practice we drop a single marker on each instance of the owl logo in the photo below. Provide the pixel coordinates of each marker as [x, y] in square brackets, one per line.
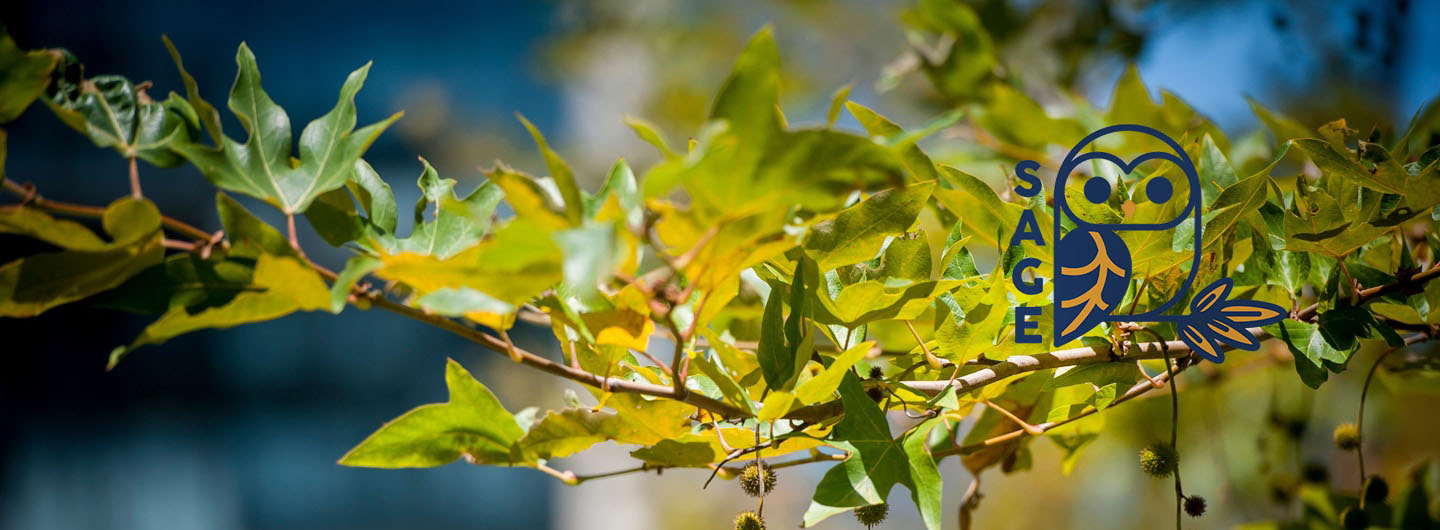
[1092, 262]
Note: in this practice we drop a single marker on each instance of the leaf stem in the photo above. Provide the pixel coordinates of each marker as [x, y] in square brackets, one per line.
[135, 180]
[294, 239]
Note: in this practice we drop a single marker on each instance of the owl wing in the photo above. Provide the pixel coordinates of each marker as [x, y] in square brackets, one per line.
[1091, 277]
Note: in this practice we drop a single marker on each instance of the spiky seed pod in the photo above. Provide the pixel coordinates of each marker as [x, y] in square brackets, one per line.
[1195, 505]
[757, 480]
[876, 373]
[1353, 518]
[1376, 489]
[749, 521]
[1347, 437]
[1159, 459]
[872, 515]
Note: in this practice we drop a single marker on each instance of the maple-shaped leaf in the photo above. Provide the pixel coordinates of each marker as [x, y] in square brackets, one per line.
[261, 166]
[876, 463]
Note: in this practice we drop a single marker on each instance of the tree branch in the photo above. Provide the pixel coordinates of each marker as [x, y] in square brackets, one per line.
[27, 193]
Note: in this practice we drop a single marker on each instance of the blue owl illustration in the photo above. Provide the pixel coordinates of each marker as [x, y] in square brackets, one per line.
[1092, 262]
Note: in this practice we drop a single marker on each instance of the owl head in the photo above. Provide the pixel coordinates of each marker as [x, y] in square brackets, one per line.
[1159, 189]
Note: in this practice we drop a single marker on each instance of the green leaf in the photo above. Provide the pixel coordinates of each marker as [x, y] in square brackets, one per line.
[589, 259]
[748, 100]
[733, 392]
[960, 341]
[985, 217]
[333, 215]
[185, 281]
[33, 223]
[560, 171]
[113, 112]
[24, 74]
[261, 166]
[1283, 127]
[457, 223]
[837, 102]
[967, 64]
[858, 232]
[873, 300]
[375, 197]
[1214, 171]
[635, 421]
[651, 135]
[820, 387]
[357, 267]
[777, 361]
[281, 285]
[876, 463]
[1313, 355]
[621, 185]
[1325, 157]
[85, 265]
[516, 263]
[876, 125]
[248, 235]
[472, 424]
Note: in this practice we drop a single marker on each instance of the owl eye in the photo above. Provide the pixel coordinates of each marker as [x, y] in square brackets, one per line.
[1097, 190]
[1159, 190]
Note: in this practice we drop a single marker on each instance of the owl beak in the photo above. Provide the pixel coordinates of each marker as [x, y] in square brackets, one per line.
[1128, 207]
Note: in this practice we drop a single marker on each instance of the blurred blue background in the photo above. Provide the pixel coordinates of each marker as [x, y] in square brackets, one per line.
[241, 428]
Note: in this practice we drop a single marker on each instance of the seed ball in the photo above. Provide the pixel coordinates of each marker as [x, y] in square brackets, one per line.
[756, 480]
[872, 515]
[875, 393]
[876, 373]
[749, 521]
[1376, 489]
[1158, 459]
[1353, 518]
[1279, 494]
[1347, 437]
[1314, 473]
[1195, 505]
[1295, 429]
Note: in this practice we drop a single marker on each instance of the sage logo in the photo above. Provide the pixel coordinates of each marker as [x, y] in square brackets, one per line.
[1091, 269]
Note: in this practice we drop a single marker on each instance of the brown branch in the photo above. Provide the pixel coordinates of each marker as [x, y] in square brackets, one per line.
[497, 345]
[1365, 295]
[1135, 391]
[31, 198]
[1015, 365]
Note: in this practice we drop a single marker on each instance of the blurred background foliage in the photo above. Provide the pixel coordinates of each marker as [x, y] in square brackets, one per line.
[239, 429]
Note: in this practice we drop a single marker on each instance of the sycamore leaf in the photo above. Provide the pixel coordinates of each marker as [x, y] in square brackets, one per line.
[23, 76]
[561, 173]
[516, 263]
[877, 462]
[113, 112]
[635, 420]
[280, 286]
[858, 232]
[472, 424]
[820, 387]
[85, 265]
[261, 166]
